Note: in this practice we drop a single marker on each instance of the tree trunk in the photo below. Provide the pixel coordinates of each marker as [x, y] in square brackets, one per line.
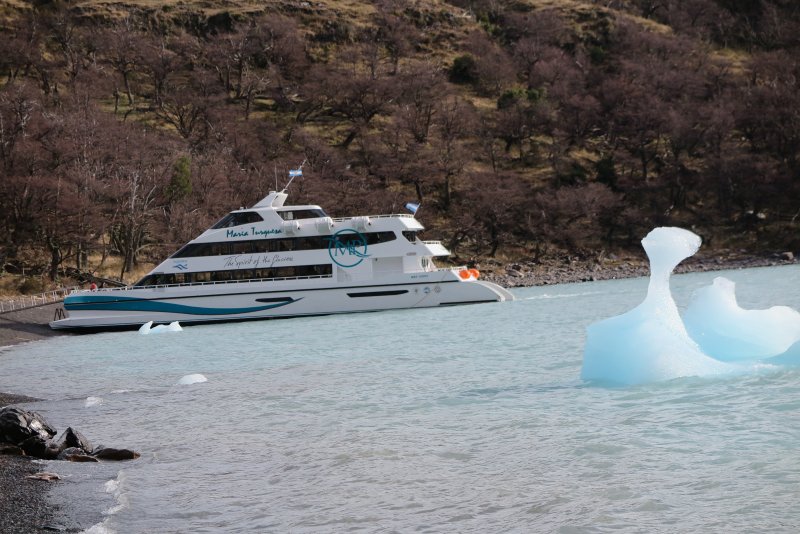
[447, 192]
[126, 80]
[55, 259]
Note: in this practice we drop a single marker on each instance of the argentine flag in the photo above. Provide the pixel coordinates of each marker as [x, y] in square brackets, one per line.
[295, 173]
[412, 207]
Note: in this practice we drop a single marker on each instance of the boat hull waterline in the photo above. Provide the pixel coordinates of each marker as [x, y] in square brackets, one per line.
[132, 308]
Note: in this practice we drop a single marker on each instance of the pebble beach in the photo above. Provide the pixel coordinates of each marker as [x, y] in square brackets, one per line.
[23, 501]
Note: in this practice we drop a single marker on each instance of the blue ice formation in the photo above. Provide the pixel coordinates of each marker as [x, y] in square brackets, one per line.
[651, 342]
[187, 380]
[790, 358]
[148, 328]
[729, 333]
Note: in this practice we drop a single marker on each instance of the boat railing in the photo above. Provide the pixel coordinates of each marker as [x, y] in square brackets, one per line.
[32, 301]
[389, 216]
[431, 242]
[211, 283]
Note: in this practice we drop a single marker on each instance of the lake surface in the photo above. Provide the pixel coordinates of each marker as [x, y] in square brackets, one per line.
[466, 419]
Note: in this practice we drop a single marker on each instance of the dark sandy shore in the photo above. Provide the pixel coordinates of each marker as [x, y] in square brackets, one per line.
[23, 504]
[27, 325]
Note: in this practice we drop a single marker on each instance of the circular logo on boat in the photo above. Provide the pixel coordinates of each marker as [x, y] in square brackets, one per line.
[347, 248]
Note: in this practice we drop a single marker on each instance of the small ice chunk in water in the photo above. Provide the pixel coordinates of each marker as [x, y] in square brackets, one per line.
[145, 328]
[729, 333]
[148, 328]
[93, 401]
[649, 342]
[174, 326]
[192, 379]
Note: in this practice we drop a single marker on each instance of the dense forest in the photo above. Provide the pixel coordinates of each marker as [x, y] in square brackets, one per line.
[526, 129]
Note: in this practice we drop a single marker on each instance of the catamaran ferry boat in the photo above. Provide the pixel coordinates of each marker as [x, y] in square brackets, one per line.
[273, 260]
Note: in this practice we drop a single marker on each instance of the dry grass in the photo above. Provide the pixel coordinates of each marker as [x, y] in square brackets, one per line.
[12, 285]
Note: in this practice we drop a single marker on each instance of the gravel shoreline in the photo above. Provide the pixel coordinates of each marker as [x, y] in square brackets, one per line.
[24, 507]
[527, 274]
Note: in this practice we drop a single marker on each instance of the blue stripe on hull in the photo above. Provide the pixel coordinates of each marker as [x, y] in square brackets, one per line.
[108, 303]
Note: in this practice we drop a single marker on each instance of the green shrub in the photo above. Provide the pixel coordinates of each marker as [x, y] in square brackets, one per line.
[180, 184]
[464, 70]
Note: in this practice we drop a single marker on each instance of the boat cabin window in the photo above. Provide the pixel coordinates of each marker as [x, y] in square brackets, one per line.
[285, 244]
[157, 279]
[292, 215]
[293, 271]
[411, 235]
[238, 219]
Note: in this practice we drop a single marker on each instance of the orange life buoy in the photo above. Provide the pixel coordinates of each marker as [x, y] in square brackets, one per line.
[464, 274]
[475, 273]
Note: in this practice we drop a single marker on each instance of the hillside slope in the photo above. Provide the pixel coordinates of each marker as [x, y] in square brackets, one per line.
[528, 129]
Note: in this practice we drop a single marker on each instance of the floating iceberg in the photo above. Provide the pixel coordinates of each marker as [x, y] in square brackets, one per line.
[191, 379]
[148, 328]
[729, 333]
[651, 342]
[93, 401]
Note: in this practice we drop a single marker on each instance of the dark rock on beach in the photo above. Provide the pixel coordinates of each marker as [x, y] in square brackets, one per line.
[23, 487]
[72, 438]
[76, 454]
[109, 453]
[11, 450]
[24, 508]
[18, 426]
[31, 433]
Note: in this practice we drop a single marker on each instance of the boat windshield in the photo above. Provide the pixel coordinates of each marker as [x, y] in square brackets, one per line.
[291, 215]
[411, 235]
[237, 219]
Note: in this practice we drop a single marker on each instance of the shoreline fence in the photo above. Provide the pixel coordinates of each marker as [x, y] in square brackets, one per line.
[32, 301]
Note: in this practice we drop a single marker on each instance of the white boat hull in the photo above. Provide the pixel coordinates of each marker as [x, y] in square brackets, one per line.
[238, 301]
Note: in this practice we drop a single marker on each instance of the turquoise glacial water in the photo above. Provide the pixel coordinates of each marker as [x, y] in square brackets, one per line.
[467, 419]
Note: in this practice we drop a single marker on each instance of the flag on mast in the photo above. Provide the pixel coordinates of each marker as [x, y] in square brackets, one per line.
[412, 207]
[294, 173]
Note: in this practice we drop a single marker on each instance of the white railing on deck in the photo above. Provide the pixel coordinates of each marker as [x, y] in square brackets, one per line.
[193, 284]
[32, 301]
[404, 215]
